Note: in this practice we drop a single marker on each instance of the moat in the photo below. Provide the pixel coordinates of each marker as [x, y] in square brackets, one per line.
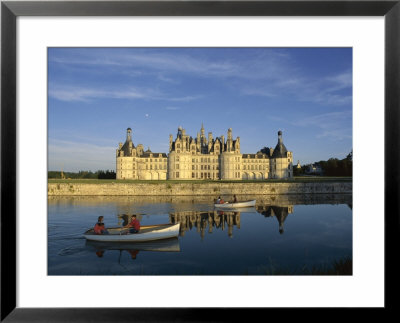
[285, 234]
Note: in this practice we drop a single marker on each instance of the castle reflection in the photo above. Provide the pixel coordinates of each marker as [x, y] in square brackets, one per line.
[208, 221]
[279, 212]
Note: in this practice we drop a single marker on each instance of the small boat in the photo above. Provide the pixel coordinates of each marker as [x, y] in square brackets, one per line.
[247, 209]
[228, 205]
[146, 233]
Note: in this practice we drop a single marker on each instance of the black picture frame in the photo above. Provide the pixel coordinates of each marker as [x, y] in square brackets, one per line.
[10, 10]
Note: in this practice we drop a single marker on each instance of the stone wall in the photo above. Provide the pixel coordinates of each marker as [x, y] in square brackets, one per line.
[185, 189]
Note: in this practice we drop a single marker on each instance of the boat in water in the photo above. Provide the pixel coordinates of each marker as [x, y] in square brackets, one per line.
[146, 233]
[229, 205]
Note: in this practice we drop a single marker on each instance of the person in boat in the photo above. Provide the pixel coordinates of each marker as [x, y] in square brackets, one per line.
[218, 200]
[134, 225]
[133, 253]
[221, 201]
[234, 199]
[99, 227]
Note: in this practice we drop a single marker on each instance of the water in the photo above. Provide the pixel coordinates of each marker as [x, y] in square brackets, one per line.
[281, 235]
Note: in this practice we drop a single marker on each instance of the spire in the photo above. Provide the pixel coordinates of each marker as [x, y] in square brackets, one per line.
[128, 134]
[280, 141]
[230, 134]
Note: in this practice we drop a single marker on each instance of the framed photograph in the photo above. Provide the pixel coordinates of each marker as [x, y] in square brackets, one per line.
[75, 75]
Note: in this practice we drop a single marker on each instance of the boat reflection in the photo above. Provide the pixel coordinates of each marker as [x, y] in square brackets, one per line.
[133, 248]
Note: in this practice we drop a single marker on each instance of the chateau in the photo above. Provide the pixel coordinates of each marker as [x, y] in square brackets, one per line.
[202, 158]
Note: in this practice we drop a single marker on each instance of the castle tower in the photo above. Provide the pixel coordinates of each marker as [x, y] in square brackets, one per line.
[125, 162]
[281, 160]
[230, 160]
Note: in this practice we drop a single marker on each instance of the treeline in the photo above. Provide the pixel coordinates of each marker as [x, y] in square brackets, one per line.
[100, 174]
[330, 167]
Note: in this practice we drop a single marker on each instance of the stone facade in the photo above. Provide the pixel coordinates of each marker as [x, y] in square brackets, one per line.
[217, 188]
[134, 163]
[203, 158]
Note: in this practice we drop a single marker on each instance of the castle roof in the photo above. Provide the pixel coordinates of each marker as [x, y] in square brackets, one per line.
[280, 150]
[253, 156]
[154, 155]
[125, 147]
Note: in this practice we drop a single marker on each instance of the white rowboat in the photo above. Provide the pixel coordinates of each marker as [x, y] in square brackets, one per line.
[146, 233]
[228, 205]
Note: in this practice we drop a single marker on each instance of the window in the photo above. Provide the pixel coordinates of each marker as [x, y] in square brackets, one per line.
[192, 175]
[177, 174]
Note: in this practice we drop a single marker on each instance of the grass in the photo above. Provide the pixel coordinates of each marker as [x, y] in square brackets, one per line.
[300, 179]
[341, 267]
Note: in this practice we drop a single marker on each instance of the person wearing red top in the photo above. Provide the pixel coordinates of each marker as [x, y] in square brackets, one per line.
[99, 227]
[134, 225]
[133, 253]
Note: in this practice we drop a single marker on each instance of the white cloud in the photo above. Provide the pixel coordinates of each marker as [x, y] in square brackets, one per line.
[81, 94]
[331, 124]
[75, 93]
[271, 73]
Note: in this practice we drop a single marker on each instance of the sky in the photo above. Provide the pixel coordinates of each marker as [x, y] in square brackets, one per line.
[95, 94]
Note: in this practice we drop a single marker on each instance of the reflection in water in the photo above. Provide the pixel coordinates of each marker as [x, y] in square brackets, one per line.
[279, 212]
[127, 204]
[225, 219]
[203, 220]
[317, 231]
[133, 248]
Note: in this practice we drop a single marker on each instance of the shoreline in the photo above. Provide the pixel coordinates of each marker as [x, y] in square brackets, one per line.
[166, 188]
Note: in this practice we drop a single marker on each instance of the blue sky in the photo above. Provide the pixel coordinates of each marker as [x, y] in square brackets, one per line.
[95, 94]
